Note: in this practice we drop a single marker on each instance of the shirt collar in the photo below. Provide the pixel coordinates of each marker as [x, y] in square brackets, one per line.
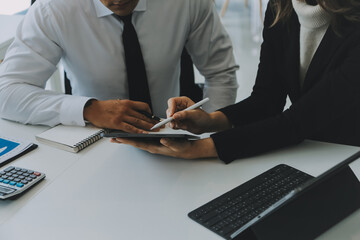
[310, 16]
[102, 11]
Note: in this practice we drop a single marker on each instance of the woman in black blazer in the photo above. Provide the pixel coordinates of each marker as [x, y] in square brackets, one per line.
[311, 53]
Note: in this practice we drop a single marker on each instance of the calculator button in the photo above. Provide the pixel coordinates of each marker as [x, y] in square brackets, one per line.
[33, 176]
[20, 185]
[4, 176]
[1, 179]
[21, 177]
[30, 172]
[37, 173]
[6, 190]
[9, 169]
[15, 175]
[2, 173]
[17, 168]
[12, 183]
[24, 170]
[10, 178]
[26, 174]
[17, 180]
[13, 171]
[6, 181]
[28, 179]
[24, 181]
[8, 174]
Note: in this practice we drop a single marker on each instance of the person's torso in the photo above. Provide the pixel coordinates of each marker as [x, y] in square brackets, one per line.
[93, 53]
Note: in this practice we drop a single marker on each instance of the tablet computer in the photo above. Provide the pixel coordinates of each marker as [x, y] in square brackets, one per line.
[152, 135]
[283, 202]
[305, 188]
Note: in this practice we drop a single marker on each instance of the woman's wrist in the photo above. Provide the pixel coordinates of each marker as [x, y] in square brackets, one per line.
[219, 122]
[204, 148]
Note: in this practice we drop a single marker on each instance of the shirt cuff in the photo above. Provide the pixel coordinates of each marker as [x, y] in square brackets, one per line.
[72, 110]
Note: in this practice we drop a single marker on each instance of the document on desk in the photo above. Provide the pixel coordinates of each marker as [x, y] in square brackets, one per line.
[11, 149]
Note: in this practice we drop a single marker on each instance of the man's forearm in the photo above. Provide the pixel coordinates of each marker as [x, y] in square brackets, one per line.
[221, 94]
[33, 105]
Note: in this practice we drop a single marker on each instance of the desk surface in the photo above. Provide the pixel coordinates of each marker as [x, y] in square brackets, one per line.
[114, 191]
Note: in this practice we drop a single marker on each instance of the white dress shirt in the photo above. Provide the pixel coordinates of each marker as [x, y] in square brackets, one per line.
[85, 36]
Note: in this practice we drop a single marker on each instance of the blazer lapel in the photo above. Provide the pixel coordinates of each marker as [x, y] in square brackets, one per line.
[327, 48]
[292, 59]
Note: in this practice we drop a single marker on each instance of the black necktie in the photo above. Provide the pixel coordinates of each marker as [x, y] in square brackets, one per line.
[135, 67]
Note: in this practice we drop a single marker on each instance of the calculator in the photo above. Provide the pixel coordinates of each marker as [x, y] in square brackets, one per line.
[16, 180]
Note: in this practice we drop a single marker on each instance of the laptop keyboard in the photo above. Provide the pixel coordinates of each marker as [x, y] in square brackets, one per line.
[232, 210]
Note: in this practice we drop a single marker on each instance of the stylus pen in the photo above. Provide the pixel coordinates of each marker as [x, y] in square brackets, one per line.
[196, 105]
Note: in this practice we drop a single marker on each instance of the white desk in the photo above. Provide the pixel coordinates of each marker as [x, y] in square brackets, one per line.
[111, 191]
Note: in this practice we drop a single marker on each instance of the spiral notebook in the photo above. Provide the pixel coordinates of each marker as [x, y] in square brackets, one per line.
[70, 138]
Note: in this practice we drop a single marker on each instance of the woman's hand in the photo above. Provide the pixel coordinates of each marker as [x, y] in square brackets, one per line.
[196, 121]
[203, 148]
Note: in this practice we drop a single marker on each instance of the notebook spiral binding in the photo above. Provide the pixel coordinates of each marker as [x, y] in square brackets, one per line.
[89, 140]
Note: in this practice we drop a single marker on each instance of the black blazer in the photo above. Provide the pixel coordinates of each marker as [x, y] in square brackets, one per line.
[327, 108]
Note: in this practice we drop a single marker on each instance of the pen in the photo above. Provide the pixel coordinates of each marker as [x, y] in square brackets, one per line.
[150, 116]
[196, 105]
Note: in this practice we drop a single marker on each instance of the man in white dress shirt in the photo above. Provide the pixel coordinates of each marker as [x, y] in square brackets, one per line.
[86, 37]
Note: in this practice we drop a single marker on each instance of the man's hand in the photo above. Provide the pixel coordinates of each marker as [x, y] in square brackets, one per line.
[119, 114]
[203, 148]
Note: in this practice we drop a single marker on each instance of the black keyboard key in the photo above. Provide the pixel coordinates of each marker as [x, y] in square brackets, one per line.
[207, 216]
[226, 230]
[212, 221]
